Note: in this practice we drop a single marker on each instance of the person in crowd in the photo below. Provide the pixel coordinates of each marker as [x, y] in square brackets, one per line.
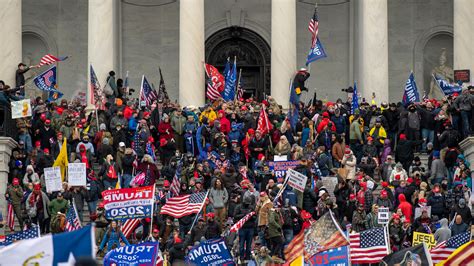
[14, 196]
[113, 237]
[37, 208]
[219, 197]
[443, 233]
[459, 226]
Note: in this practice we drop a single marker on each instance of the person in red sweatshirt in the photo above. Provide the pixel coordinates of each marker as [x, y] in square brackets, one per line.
[325, 122]
[225, 123]
[405, 206]
[361, 193]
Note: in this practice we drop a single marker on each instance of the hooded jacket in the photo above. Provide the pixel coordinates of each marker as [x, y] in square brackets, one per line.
[406, 207]
[443, 233]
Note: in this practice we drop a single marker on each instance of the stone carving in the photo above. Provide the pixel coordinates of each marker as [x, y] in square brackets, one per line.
[443, 70]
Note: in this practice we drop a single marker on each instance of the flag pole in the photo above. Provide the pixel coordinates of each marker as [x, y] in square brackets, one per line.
[237, 87]
[141, 91]
[200, 209]
[152, 207]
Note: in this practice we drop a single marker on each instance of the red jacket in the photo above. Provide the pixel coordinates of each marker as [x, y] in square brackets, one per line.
[406, 207]
[324, 123]
[225, 125]
[166, 131]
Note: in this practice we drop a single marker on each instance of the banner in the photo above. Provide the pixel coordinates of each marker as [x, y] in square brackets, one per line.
[21, 108]
[52, 178]
[128, 203]
[446, 87]
[419, 210]
[280, 168]
[210, 252]
[296, 180]
[316, 53]
[429, 239]
[383, 215]
[143, 254]
[46, 81]
[76, 174]
[335, 256]
[410, 94]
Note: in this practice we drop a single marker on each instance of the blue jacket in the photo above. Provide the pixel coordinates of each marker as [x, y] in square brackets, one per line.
[304, 136]
[112, 239]
[291, 196]
[339, 123]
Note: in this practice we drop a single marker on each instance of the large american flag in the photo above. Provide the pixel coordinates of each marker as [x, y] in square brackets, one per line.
[72, 220]
[33, 232]
[129, 226]
[147, 93]
[313, 27]
[215, 83]
[442, 251]
[49, 59]
[99, 98]
[178, 207]
[236, 227]
[295, 248]
[11, 216]
[369, 246]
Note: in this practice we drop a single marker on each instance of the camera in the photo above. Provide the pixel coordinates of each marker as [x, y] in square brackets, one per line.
[348, 90]
[131, 91]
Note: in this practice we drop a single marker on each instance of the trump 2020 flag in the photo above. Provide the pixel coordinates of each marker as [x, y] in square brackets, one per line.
[128, 203]
[315, 53]
[446, 87]
[210, 252]
[411, 91]
[230, 81]
[144, 254]
[46, 81]
[57, 249]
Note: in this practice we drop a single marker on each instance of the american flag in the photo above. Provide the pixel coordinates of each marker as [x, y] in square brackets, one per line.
[236, 227]
[369, 246]
[99, 98]
[176, 183]
[442, 251]
[162, 94]
[72, 220]
[129, 226]
[147, 93]
[33, 232]
[313, 27]
[11, 216]
[184, 205]
[50, 59]
[295, 248]
[215, 83]
[240, 90]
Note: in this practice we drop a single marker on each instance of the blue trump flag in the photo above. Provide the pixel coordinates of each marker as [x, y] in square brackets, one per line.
[446, 87]
[335, 256]
[57, 249]
[410, 94]
[315, 53]
[230, 81]
[144, 254]
[355, 99]
[46, 81]
[210, 252]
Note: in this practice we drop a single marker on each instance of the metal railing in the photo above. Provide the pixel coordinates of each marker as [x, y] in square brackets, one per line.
[7, 124]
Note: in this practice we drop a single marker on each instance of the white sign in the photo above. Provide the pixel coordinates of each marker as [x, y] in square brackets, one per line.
[280, 158]
[419, 210]
[330, 183]
[21, 108]
[383, 215]
[52, 178]
[76, 174]
[296, 180]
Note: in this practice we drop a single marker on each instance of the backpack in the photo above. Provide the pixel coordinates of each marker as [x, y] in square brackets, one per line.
[56, 224]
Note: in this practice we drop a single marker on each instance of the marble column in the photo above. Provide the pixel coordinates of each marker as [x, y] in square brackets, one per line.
[191, 53]
[283, 49]
[103, 40]
[464, 35]
[11, 45]
[372, 49]
[6, 146]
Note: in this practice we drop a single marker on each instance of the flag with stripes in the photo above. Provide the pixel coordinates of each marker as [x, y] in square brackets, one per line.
[129, 226]
[313, 27]
[176, 183]
[323, 234]
[72, 219]
[215, 83]
[442, 251]
[369, 246]
[236, 227]
[178, 207]
[50, 59]
[11, 216]
[264, 125]
[96, 90]
[355, 99]
[33, 232]
[461, 256]
[240, 90]
[147, 93]
[295, 248]
[162, 93]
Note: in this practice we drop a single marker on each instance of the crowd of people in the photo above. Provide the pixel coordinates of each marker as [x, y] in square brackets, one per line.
[221, 148]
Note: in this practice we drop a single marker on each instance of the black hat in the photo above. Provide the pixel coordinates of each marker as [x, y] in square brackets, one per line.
[21, 64]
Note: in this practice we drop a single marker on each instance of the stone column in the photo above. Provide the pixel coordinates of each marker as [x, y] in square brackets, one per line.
[372, 49]
[191, 53]
[283, 49]
[6, 146]
[11, 46]
[103, 40]
[463, 35]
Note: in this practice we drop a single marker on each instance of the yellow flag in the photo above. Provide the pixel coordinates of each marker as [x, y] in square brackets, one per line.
[118, 186]
[61, 160]
[299, 261]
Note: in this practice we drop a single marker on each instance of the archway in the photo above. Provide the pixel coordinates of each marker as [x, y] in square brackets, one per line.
[253, 57]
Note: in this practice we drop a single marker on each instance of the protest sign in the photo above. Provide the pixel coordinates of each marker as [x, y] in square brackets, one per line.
[128, 203]
[330, 183]
[383, 215]
[21, 108]
[296, 180]
[280, 158]
[429, 239]
[419, 210]
[52, 178]
[76, 174]
[335, 256]
[210, 252]
[141, 254]
[280, 168]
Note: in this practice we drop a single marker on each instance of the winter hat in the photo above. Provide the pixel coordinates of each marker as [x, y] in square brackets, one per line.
[403, 137]
[162, 142]
[436, 154]
[37, 187]
[16, 181]
[410, 180]
[102, 127]
[105, 141]
[422, 200]
[383, 193]
[384, 184]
